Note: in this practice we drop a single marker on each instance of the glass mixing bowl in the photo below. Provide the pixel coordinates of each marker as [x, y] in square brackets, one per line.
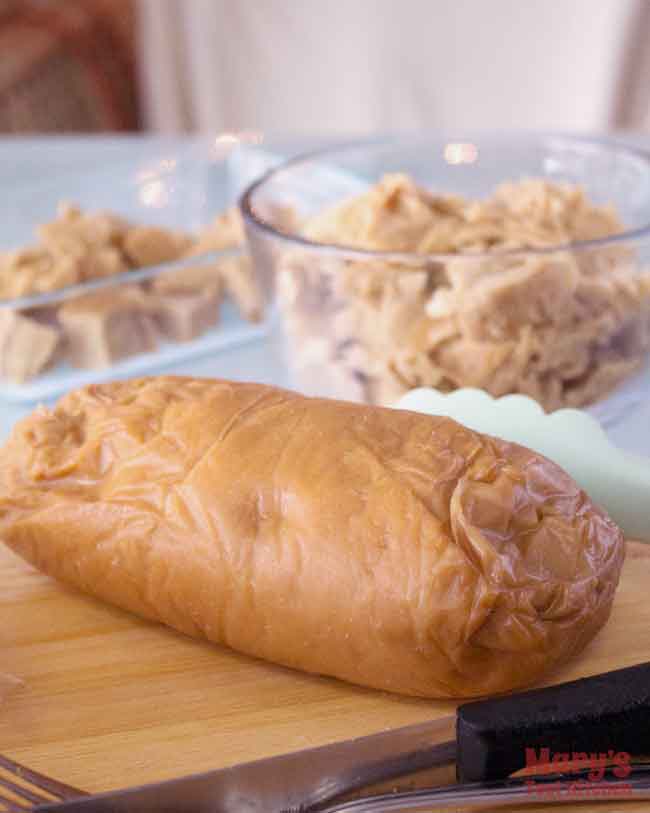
[567, 324]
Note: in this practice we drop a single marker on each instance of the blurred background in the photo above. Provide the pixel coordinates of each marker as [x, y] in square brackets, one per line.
[342, 66]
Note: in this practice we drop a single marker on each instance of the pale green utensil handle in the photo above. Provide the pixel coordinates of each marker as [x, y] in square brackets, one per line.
[616, 480]
[625, 492]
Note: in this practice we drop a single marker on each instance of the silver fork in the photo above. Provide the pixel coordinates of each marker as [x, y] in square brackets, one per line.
[23, 789]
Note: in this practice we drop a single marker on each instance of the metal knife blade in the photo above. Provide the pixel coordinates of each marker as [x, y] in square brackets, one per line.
[593, 717]
[290, 782]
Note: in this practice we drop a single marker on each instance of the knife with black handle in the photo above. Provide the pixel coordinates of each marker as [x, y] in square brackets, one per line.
[608, 715]
[575, 722]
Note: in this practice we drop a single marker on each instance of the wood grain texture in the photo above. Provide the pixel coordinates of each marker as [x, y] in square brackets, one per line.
[100, 699]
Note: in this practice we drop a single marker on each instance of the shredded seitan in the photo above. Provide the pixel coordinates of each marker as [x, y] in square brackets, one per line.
[514, 306]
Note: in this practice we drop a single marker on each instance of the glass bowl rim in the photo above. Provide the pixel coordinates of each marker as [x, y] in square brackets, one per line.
[604, 144]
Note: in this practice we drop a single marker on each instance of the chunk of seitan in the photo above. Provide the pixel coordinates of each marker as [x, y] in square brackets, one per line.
[104, 327]
[234, 276]
[191, 279]
[27, 347]
[241, 286]
[183, 314]
[151, 245]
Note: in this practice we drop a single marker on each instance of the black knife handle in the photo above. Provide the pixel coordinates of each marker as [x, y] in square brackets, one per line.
[606, 714]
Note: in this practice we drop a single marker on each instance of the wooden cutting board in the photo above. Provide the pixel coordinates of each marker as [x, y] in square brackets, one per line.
[100, 700]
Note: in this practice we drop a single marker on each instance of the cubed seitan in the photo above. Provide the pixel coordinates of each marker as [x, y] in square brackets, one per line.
[34, 271]
[234, 275]
[27, 347]
[74, 231]
[225, 231]
[151, 245]
[241, 286]
[106, 326]
[185, 314]
[191, 279]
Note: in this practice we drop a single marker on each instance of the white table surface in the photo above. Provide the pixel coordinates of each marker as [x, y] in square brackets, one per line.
[257, 361]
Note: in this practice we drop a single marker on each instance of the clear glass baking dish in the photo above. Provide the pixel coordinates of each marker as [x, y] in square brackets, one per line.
[370, 325]
[137, 321]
